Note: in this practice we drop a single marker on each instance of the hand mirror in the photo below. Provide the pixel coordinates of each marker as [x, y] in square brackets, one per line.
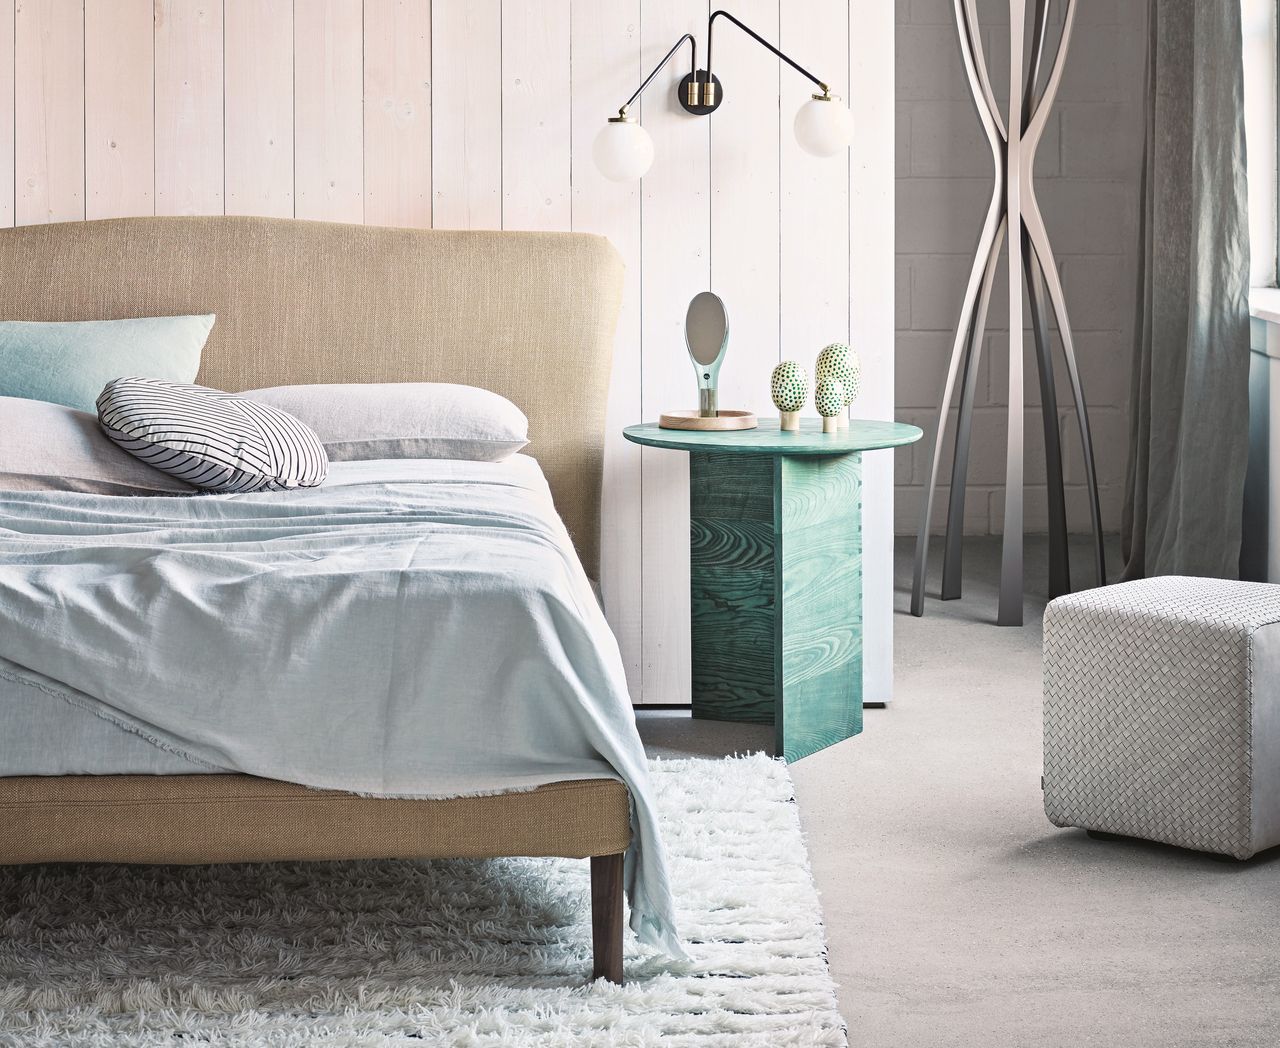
[706, 331]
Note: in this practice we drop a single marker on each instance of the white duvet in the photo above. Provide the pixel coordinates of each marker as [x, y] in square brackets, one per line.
[415, 628]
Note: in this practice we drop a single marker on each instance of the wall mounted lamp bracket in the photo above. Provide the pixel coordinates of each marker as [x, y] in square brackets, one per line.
[623, 150]
[700, 92]
[695, 97]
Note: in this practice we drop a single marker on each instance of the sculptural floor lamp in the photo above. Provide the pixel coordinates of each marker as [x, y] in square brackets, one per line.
[1015, 212]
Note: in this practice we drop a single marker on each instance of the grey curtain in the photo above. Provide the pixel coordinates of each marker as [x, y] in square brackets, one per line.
[1189, 429]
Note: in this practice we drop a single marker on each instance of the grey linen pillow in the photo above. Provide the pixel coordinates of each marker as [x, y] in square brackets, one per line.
[214, 440]
[404, 419]
[51, 447]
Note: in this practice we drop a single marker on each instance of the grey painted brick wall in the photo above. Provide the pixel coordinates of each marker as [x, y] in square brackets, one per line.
[1087, 178]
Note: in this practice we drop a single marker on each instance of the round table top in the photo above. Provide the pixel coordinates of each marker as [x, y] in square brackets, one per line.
[768, 439]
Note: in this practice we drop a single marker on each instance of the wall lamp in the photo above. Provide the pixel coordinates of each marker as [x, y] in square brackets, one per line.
[623, 150]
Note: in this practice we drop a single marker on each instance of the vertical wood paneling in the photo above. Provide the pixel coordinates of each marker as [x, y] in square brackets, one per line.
[119, 108]
[329, 108]
[6, 112]
[259, 107]
[871, 312]
[466, 114]
[744, 205]
[536, 114]
[188, 104]
[606, 69]
[814, 232]
[397, 113]
[675, 266]
[49, 110]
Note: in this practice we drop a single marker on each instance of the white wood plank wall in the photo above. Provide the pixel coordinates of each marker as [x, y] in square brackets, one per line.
[481, 114]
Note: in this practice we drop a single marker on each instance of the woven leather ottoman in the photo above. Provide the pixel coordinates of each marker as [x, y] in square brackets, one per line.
[1162, 713]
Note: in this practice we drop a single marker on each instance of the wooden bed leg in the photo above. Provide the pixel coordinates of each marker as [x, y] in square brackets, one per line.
[606, 917]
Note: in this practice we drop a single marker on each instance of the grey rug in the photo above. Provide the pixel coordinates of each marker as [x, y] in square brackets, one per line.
[413, 953]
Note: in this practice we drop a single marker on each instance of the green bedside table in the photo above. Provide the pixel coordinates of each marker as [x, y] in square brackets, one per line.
[775, 563]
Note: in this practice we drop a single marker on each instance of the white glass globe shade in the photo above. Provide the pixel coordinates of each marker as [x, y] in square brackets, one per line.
[824, 127]
[623, 151]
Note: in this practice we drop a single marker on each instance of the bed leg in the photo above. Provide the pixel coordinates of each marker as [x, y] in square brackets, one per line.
[606, 917]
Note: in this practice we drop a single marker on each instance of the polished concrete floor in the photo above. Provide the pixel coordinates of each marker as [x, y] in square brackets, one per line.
[956, 914]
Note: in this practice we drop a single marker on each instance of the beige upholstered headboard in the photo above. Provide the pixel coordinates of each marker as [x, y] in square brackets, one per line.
[529, 315]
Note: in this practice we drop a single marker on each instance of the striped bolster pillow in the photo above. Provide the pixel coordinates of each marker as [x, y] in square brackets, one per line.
[211, 439]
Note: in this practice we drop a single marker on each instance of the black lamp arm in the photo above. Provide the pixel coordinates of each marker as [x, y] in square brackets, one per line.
[693, 66]
[759, 40]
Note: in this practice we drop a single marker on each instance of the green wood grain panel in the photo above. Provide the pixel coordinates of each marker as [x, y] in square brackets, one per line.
[733, 626]
[776, 590]
[744, 545]
[732, 587]
[731, 487]
[818, 633]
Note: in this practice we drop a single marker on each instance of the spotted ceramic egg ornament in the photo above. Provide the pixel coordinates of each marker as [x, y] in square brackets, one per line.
[838, 361]
[789, 387]
[828, 398]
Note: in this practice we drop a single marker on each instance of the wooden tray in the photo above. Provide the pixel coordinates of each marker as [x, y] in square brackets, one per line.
[723, 420]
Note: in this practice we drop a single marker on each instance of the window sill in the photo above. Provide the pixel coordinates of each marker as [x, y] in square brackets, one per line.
[1264, 308]
[1264, 304]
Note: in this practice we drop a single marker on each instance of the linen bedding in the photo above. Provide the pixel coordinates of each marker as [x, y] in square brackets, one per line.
[411, 628]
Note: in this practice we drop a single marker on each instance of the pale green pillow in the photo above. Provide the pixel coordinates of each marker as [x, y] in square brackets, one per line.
[70, 362]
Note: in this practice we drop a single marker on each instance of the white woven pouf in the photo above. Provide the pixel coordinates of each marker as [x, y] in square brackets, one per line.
[1162, 712]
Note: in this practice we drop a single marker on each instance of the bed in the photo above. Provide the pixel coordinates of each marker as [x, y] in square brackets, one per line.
[530, 316]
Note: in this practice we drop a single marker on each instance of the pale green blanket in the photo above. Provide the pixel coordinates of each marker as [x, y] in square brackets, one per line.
[413, 628]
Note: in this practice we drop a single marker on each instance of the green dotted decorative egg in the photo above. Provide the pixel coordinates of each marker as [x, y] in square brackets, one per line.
[828, 398]
[838, 361]
[789, 386]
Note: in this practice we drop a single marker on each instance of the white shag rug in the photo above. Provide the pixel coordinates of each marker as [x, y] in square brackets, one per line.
[436, 953]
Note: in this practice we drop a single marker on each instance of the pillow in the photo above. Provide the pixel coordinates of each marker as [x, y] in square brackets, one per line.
[50, 447]
[69, 363]
[405, 420]
[214, 440]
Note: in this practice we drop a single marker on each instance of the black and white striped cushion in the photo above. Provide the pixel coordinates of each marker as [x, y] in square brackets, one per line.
[211, 439]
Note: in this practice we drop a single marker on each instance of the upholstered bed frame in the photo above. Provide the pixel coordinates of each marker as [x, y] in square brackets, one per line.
[529, 315]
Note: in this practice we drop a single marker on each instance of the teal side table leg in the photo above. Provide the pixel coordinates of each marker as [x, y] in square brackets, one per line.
[776, 588]
[731, 569]
[818, 640]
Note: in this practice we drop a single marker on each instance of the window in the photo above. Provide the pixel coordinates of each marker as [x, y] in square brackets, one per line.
[1260, 61]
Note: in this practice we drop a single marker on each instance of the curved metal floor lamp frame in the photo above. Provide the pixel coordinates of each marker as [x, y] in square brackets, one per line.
[1013, 153]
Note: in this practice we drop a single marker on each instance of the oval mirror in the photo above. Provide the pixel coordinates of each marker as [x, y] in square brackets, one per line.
[706, 329]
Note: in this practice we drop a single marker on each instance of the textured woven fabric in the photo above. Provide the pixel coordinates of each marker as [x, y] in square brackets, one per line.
[527, 315]
[1160, 697]
[239, 818]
